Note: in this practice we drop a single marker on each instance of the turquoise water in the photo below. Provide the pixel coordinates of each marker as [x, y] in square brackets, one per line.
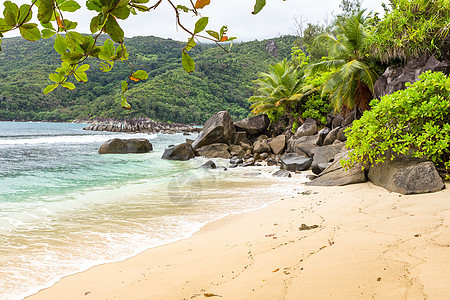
[65, 208]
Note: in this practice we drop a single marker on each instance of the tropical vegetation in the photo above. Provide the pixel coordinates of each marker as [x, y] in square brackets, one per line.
[409, 29]
[75, 48]
[415, 122]
[353, 76]
[343, 63]
[222, 81]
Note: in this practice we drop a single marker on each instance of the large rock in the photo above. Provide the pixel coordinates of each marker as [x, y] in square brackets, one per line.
[331, 136]
[323, 155]
[294, 162]
[337, 121]
[322, 135]
[239, 137]
[395, 79]
[236, 150]
[219, 150]
[254, 125]
[303, 145]
[282, 173]
[277, 128]
[341, 135]
[335, 175]
[218, 129]
[182, 151]
[278, 144]
[309, 127]
[319, 168]
[445, 49]
[261, 146]
[120, 146]
[406, 176]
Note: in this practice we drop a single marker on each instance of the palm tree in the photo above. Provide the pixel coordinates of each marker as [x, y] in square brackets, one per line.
[275, 89]
[352, 79]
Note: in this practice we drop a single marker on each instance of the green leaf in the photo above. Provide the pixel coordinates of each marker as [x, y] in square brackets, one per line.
[83, 68]
[258, 6]
[125, 103]
[124, 86]
[95, 25]
[4, 27]
[11, 13]
[55, 77]
[48, 26]
[30, 32]
[200, 25]
[214, 34]
[188, 62]
[139, 1]
[223, 31]
[60, 45]
[81, 76]
[45, 11]
[25, 13]
[71, 57]
[94, 5]
[69, 6]
[68, 85]
[121, 53]
[183, 8]
[141, 7]
[114, 31]
[121, 12]
[69, 25]
[106, 66]
[190, 44]
[141, 75]
[50, 88]
[47, 33]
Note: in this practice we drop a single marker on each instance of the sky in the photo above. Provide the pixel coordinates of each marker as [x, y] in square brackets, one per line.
[276, 19]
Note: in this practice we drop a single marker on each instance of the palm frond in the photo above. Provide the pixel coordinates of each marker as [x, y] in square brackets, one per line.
[323, 66]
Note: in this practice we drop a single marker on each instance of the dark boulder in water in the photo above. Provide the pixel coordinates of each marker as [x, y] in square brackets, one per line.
[182, 151]
[120, 146]
[209, 165]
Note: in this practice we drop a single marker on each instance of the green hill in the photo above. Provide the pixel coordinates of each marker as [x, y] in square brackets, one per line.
[222, 81]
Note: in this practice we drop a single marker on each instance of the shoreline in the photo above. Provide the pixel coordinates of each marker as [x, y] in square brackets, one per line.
[188, 235]
[255, 176]
[263, 254]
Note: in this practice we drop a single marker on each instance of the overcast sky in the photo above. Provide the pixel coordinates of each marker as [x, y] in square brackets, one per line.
[276, 19]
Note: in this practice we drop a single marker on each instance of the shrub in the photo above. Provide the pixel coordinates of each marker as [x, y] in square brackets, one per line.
[316, 108]
[415, 121]
[409, 29]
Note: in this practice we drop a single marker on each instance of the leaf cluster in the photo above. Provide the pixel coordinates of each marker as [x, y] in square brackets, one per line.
[409, 29]
[286, 90]
[415, 122]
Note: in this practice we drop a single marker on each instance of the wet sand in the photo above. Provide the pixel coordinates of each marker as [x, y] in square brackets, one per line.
[358, 242]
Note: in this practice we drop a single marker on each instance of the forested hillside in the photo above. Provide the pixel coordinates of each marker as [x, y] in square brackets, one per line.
[222, 81]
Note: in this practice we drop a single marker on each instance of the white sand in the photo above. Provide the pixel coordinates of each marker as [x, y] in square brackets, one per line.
[370, 244]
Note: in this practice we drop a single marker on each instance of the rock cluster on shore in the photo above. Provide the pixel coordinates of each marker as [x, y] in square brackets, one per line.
[247, 143]
[137, 125]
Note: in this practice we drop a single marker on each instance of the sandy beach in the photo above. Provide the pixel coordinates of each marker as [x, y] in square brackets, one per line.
[358, 242]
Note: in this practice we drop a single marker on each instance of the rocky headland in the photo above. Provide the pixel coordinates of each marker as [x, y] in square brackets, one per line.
[137, 125]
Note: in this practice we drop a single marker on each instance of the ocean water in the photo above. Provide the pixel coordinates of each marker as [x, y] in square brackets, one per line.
[65, 208]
